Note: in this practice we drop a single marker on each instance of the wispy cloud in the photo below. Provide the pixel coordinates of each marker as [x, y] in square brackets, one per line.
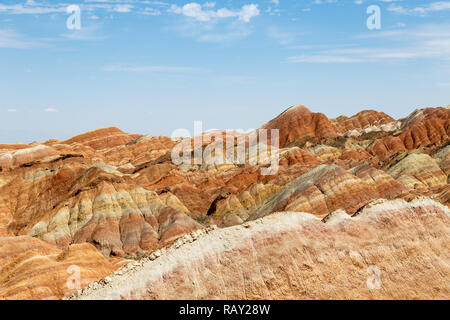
[51, 110]
[421, 10]
[11, 39]
[119, 6]
[229, 34]
[324, 1]
[123, 8]
[423, 42]
[213, 31]
[30, 7]
[151, 12]
[150, 69]
[90, 32]
[314, 58]
[282, 37]
[206, 12]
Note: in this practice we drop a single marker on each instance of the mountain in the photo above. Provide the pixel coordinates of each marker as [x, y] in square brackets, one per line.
[105, 198]
[291, 255]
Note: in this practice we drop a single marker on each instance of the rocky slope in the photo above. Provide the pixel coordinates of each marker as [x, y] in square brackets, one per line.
[33, 269]
[388, 250]
[121, 196]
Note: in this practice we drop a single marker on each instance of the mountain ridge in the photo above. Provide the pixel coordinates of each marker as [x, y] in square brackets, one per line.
[121, 196]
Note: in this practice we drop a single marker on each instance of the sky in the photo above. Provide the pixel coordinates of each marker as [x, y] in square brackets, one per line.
[152, 67]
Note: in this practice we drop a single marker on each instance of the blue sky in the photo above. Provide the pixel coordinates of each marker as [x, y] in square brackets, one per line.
[155, 66]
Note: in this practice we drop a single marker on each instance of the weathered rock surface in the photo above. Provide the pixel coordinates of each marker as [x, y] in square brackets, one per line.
[13, 159]
[418, 171]
[103, 138]
[327, 188]
[33, 269]
[423, 128]
[122, 194]
[367, 119]
[389, 250]
[298, 123]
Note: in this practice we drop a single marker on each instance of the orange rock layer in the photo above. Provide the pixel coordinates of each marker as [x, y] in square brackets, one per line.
[121, 193]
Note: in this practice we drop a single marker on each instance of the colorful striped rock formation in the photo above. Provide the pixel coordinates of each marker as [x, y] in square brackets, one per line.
[104, 198]
[389, 250]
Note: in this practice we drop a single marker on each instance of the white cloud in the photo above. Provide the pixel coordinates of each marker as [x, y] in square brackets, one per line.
[421, 10]
[274, 11]
[123, 8]
[362, 1]
[248, 11]
[211, 32]
[151, 12]
[50, 110]
[423, 42]
[31, 8]
[324, 1]
[120, 6]
[206, 12]
[11, 110]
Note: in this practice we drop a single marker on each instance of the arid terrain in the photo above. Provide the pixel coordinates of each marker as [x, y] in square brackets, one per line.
[358, 209]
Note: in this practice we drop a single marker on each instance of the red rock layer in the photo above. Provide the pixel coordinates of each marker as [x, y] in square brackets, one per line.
[65, 202]
[327, 188]
[103, 138]
[298, 123]
[423, 128]
[361, 120]
[123, 194]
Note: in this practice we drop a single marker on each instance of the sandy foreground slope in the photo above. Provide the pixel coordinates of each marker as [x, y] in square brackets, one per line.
[388, 250]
